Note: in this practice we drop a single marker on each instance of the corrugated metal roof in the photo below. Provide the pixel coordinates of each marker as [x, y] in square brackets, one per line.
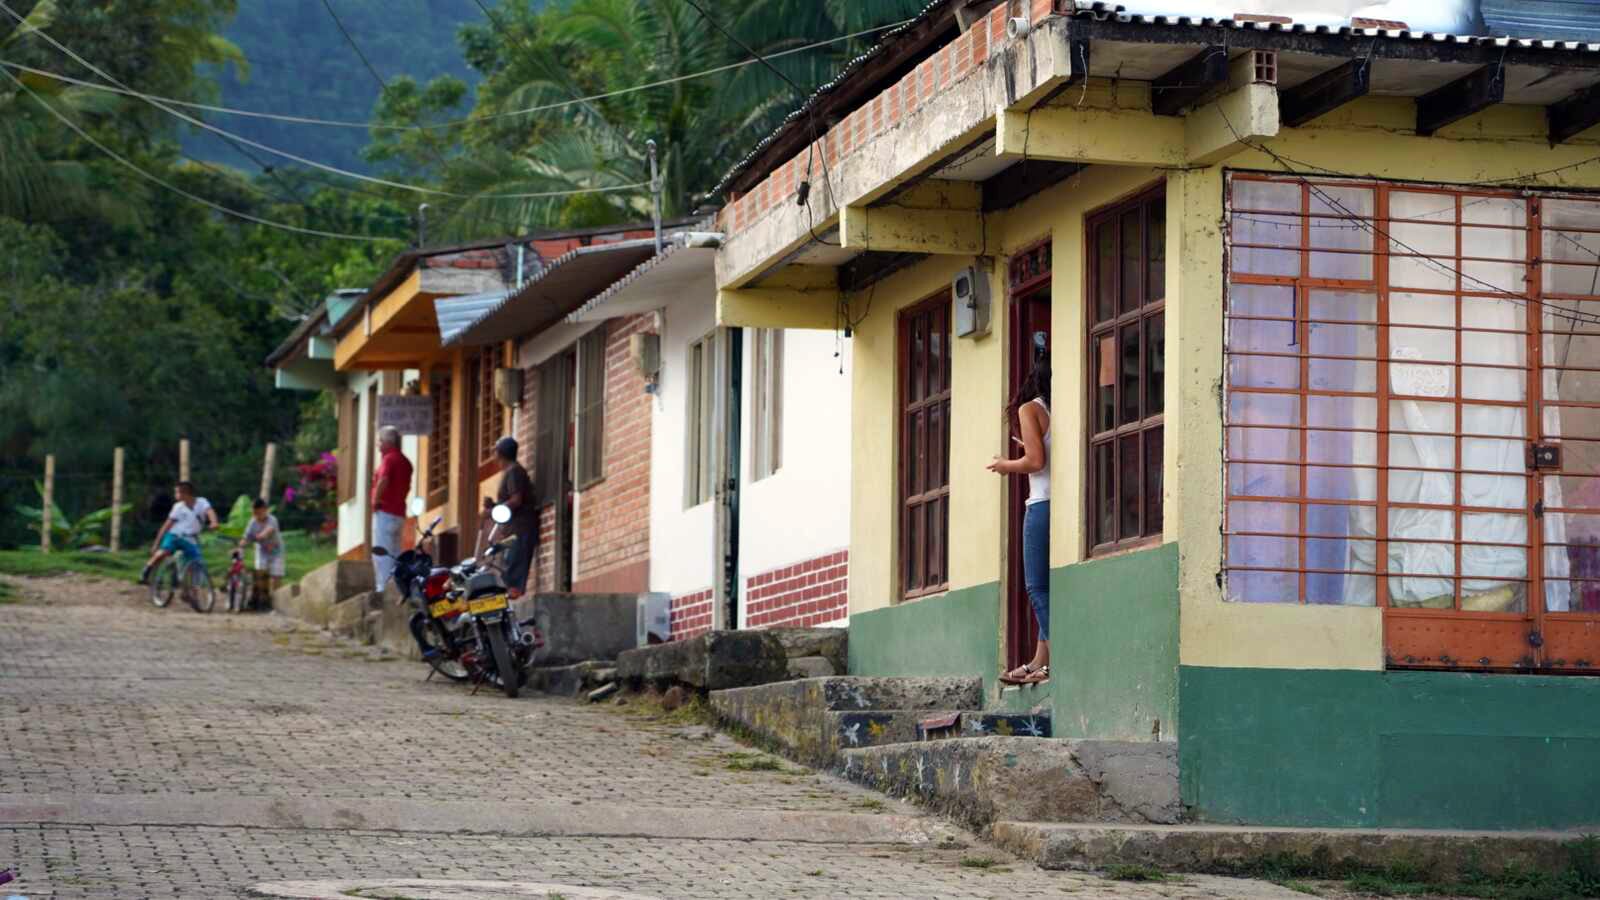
[642, 289]
[1521, 24]
[456, 314]
[1567, 20]
[559, 288]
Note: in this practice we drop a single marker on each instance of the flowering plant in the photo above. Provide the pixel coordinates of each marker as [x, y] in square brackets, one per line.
[318, 490]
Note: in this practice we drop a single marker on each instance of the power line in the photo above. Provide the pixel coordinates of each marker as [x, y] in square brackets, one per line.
[1551, 310]
[452, 123]
[804, 194]
[313, 163]
[174, 188]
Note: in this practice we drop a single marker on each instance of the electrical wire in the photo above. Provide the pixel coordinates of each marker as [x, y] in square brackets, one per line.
[811, 120]
[148, 176]
[452, 123]
[313, 163]
[1286, 164]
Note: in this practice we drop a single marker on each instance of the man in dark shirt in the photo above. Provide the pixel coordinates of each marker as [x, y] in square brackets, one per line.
[516, 492]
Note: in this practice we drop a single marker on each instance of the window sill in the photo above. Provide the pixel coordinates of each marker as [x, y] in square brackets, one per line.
[1124, 549]
[924, 593]
[591, 483]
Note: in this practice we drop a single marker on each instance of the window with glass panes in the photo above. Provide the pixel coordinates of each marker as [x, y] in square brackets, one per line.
[1127, 371]
[1413, 415]
[925, 446]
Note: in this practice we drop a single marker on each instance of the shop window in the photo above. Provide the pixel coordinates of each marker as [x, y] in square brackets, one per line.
[766, 402]
[1127, 372]
[1385, 405]
[481, 371]
[439, 440]
[924, 359]
[700, 433]
[347, 413]
[591, 407]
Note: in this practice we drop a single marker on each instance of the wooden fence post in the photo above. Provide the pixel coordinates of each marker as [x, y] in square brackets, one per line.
[266, 471]
[46, 522]
[116, 500]
[183, 459]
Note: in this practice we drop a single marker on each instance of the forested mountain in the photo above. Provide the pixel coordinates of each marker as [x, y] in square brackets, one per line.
[300, 64]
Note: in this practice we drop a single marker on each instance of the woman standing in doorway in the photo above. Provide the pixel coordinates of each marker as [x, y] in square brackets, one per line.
[1028, 414]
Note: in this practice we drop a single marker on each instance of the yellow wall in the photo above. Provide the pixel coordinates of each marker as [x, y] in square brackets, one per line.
[1368, 138]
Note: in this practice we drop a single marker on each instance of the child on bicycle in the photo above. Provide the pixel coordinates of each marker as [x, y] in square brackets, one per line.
[263, 532]
[181, 532]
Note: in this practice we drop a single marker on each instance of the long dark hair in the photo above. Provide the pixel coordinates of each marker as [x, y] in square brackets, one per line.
[1035, 386]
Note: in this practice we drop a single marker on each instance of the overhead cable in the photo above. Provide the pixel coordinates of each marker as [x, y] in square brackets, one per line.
[453, 123]
[148, 176]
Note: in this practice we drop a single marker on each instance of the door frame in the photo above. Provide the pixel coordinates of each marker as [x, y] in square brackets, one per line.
[1028, 275]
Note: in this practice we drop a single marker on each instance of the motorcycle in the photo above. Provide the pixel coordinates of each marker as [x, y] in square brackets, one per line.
[462, 616]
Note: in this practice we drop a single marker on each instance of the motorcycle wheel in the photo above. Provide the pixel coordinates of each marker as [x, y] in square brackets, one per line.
[446, 666]
[510, 682]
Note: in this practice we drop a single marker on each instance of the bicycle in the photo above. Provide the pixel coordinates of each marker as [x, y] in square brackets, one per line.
[181, 576]
[234, 584]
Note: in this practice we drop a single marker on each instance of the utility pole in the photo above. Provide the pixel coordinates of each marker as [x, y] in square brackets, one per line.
[655, 192]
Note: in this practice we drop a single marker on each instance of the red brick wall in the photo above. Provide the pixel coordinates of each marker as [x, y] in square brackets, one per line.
[614, 515]
[806, 594]
[691, 614]
[613, 532]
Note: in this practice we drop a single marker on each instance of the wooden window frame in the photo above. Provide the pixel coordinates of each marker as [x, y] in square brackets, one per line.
[550, 428]
[488, 419]
[700, 406]
[440, 386]
[589, 454]
[923, 465]
[766, 402]
[1146, 428]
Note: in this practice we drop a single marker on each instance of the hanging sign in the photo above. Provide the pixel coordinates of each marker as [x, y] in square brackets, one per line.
[411, 415]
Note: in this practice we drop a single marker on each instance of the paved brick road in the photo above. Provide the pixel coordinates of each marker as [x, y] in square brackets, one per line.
[150, 753]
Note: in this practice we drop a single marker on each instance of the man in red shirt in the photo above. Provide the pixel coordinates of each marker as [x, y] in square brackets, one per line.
[391, 485]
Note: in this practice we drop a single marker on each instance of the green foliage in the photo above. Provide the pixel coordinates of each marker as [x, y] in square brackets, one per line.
[238, 518]
[67, 533]
[303, 553]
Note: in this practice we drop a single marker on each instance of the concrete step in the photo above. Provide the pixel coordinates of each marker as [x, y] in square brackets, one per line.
[718, 660]
[1023, 698]
[987, 779]
[983, 724]
[1330, 853]
[796, 717]
[570, 681]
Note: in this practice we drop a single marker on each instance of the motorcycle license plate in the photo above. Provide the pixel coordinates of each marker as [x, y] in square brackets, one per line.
[486, 605]
[442, 608]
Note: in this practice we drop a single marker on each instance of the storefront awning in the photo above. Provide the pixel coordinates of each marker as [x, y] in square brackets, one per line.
[563, 286]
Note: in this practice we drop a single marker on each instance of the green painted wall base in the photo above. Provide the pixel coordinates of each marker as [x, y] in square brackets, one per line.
[1390, 749]
[957, 633]
[1114, 647]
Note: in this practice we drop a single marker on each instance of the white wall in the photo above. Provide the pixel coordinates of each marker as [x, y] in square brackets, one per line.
[353, 513]
[802, 511]
[680, 540]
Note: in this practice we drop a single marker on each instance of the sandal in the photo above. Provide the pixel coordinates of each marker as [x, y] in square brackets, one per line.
[1038, 676]
[1023, 674]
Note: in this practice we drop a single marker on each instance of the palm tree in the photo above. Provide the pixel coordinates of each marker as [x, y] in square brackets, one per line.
[584, 48]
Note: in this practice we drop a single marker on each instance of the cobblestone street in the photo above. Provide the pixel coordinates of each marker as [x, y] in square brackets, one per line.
[160, 753]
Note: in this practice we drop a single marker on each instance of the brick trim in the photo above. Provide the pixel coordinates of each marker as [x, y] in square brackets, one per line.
[806, 594]
[691, 614]
[951, 63]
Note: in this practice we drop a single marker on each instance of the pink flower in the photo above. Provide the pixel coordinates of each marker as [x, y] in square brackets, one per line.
[288, 495]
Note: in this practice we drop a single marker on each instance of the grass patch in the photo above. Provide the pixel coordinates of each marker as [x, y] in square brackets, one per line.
[8, 594]
[1299, 887]
[870, 804]
[301, 555]
[742, 761]
[1577, 879]
[979, 862]
[1136, 873]
[815, 873]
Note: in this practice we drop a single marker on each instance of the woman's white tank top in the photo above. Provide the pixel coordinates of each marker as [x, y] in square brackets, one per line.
[1039, 482]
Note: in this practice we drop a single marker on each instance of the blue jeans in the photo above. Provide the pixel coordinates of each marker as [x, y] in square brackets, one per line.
[1036, 562]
